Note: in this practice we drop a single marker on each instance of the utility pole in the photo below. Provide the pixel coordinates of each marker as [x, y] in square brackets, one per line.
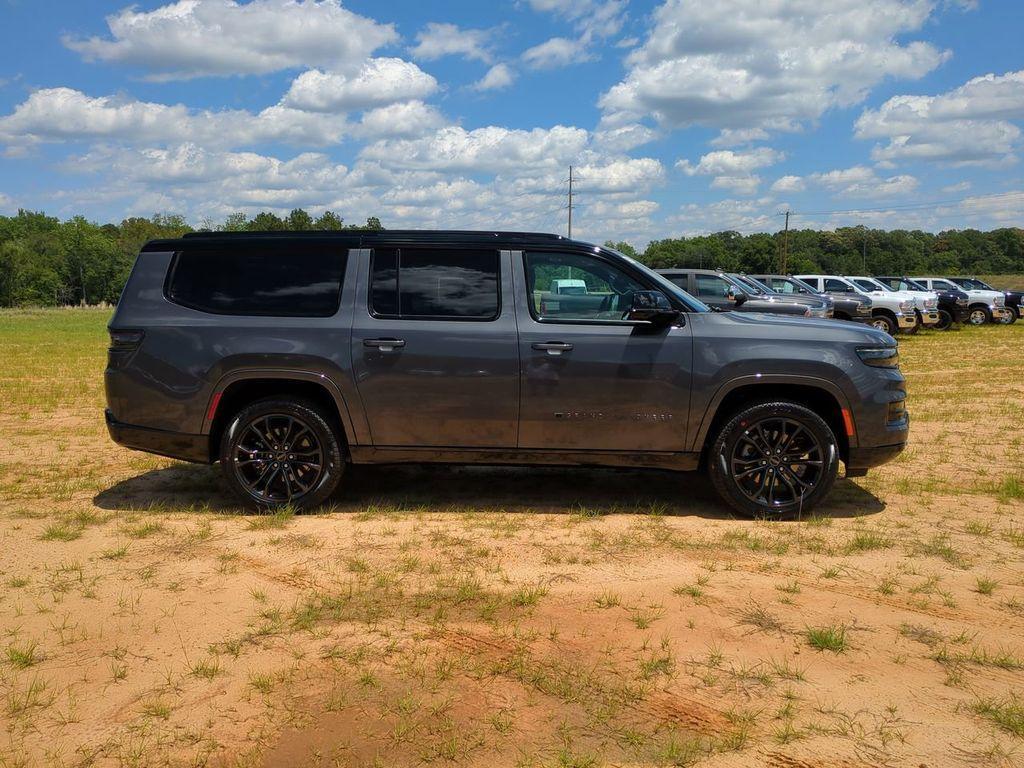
[785, 245]
[864, 251]
[570, 202]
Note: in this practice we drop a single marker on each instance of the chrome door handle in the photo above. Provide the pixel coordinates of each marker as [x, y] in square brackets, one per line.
[553, 348]
[384, 345]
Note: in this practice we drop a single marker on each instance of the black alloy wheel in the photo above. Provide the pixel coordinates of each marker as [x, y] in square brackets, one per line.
[774, 459]
[281, 454]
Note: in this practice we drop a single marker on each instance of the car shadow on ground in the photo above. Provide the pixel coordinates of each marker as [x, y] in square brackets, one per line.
[559, 490]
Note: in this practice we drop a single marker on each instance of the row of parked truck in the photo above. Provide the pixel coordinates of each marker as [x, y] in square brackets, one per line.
[891, 303]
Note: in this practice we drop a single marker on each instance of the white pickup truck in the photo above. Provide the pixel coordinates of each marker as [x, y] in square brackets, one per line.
[927, 302]
[890, 312]
[985, 306]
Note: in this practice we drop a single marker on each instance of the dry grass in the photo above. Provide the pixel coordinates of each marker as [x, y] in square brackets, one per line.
[508, 617]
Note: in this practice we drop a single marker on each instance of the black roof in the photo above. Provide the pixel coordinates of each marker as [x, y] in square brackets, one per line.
[367, 238]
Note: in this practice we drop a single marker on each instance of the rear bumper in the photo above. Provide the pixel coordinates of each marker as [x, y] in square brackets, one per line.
[175, 445]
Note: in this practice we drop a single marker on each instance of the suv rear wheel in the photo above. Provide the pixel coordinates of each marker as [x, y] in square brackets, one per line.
[281, 452]
[774, 459]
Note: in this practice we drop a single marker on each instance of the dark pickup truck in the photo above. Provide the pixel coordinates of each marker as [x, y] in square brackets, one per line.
[845, 306]
[1013, 298]
[288, 357]
[722, 291]
[953, 305]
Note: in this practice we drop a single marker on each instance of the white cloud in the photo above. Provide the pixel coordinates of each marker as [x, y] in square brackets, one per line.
[593, 20]
[749, 64]
[490, 149]
[788, 184]
[733, 170]
[6, 203]
[408, 119]
[623, 138]
[64, 114]
[734, 137]
[556, 52]
[437, 40]
[861, 181]
[378, 81]
[969, 125]
[499, 76]
[193, 38]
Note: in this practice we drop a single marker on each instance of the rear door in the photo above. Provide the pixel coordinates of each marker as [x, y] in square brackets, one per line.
[591, 381]
[434, 347]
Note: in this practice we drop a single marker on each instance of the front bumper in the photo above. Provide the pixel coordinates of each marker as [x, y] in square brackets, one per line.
[862, 459]
[999, 314]
[904, 320]
[929, 316]
[175, 445]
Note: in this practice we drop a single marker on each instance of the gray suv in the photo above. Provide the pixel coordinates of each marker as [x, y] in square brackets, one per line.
[288, 357]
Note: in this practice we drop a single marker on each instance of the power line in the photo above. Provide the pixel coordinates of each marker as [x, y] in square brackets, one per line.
[971, 201]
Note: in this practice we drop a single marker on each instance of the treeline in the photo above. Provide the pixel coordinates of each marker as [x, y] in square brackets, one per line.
[48, 262]
[848, 250]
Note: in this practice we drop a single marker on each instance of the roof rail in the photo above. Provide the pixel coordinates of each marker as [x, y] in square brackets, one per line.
[374, 233]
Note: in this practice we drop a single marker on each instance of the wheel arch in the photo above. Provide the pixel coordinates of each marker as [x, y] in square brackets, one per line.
[236, 390]
[820, 395]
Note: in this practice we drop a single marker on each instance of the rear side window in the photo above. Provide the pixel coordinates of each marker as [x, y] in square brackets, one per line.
[434, 283]
[285, 281]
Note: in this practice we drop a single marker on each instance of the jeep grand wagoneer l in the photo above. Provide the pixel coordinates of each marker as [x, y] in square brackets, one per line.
[287, 357]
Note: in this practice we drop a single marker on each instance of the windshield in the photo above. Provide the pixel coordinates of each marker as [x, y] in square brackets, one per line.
[749, 284]
[974, 284]
[665, 285]
[868, 284]
[910, 285]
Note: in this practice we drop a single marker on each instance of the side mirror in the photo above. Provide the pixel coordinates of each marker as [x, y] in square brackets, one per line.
[651, 307]
[738, 297]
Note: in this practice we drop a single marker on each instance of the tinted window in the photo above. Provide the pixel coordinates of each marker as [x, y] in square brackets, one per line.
[783, 286]
[831, 284]
[283, 281]
[434, 283]
[711, 287]
[607, 295]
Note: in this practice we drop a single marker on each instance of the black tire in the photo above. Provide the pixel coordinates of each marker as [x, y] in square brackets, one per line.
[752, 439]
[945, 321]
[979, 315]
[890, 327]
[281, 452]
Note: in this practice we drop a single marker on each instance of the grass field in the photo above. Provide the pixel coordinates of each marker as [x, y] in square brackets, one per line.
[499, 617]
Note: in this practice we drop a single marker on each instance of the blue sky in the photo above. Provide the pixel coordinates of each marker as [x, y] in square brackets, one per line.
[681, 116]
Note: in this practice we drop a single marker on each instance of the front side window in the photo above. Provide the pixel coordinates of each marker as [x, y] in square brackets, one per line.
[281, 281]
[783, 286]
[867, 285]
[944, 285]
[606, 293]
[434, 283]
[711, 287]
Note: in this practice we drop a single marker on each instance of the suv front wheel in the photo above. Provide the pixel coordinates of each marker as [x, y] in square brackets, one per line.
[281, 453]
[774, 459]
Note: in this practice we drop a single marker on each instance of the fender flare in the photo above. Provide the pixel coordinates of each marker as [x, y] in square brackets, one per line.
[284, 374]
[762, 379]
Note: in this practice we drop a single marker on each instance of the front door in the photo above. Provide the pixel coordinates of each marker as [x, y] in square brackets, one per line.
[434, 347]
[591, 381]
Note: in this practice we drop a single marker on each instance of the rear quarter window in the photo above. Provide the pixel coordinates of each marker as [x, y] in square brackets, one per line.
[291, 281]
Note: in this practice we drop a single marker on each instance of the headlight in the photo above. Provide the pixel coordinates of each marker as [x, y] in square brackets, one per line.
[879, 357]
[999, 301]
[961, 302]
[906, 306]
